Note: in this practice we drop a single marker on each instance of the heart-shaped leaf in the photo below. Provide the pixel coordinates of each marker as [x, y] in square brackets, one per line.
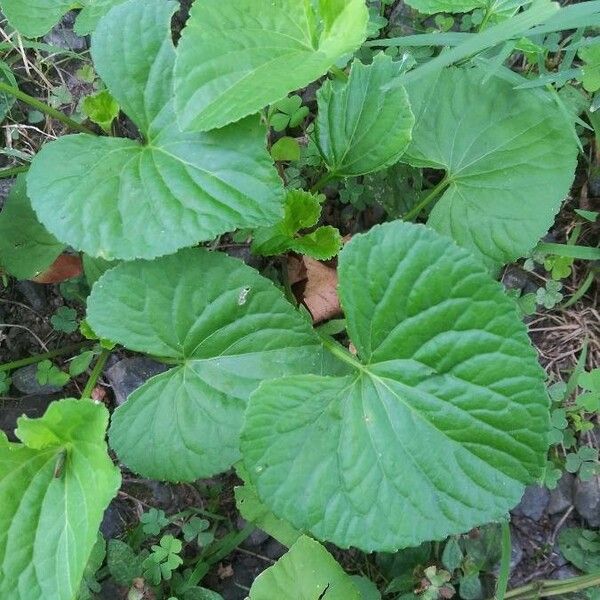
[237, 56]
[361, 128]
[429, 7]
[509, 156]
[442, 423]
[224, 327]
[306, 572]
[54, 488]
[34, 19]
[26, 248]
[119, 198]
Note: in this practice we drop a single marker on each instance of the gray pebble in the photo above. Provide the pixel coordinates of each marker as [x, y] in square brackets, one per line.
[533, 503]
[25, 381]
[587, 500]
[562, 496]
[130, 373]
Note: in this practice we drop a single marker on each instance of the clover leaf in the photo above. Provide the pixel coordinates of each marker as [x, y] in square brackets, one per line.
[163, 560]
[360, 127]
[442, 422]
[509, 157]
[196, 529]
[26, 248]
[302, 211]
[590, 55]
[65, 319]
[224, 328]
[54, 488]
[121, 198]
[38, 18]
[590, 382]
[237, 56]
[49, 374]
[584, 462]
[153, 521]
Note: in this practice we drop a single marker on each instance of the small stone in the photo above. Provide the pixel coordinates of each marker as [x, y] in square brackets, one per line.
[533, 503]
[25, 381]
[515, 278]
[129, 374]
[34, 294]
[562, 496]
[256, 538]
[587, 500]
[63, 36]
[32, 406]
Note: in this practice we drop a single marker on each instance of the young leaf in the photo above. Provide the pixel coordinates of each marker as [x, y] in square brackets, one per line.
[225, 327]
[101, 108]
[442, 423]
[119, 198]
[361, 128]
[34, 19]
[50, 519]
[509, 157]
[310, 571]
[302, 211]
[26, 248]
[430, 7]
[237, 56]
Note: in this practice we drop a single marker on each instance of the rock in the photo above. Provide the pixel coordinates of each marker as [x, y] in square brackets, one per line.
[34, 294]
[32, 406]
[533, 503]
[516, 552]
[565, 572]
[562, 496]
[130, 373]
[256, 538]
[515, 278]
[63, 36]
[587, 500]
[25, 381]
[113, 523]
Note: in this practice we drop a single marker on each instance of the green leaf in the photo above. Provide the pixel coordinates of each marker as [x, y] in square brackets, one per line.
[6, 100]
[123, 563]
[153, 521]
[442, 423]
[49, 374]
[50, 516]
[429, 7]
[302, 211]
[286, 148]
[120, 198]
[26, 248]
[237, 56]
[366, 588]
[360, 127]
[225, 328]
[306, 572]
[590, 55]
[34, 19]
[94, 268]
[254, 510]
[574, 545]
[452, 555]
[101, 108]
[81, 363]
[509, 156]
[65, 319]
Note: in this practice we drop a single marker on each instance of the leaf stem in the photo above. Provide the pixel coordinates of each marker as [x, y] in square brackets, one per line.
[32, 360]
[340, 352]
[95, 375]
[4, 174]
[44, 108]
[504, 572]
[322, 182]
[546, 588]
[433, 194]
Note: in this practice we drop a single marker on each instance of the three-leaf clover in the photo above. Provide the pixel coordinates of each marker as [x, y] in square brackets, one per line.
[549, 296]
[583, 462]
[153, 521]
[558, 420]
[590, 55]
[551, 476]
[590, 382]
[49, 374]
[163, 560]
[559, 266]
[65, 319]
[197, 529]
[288, 112]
